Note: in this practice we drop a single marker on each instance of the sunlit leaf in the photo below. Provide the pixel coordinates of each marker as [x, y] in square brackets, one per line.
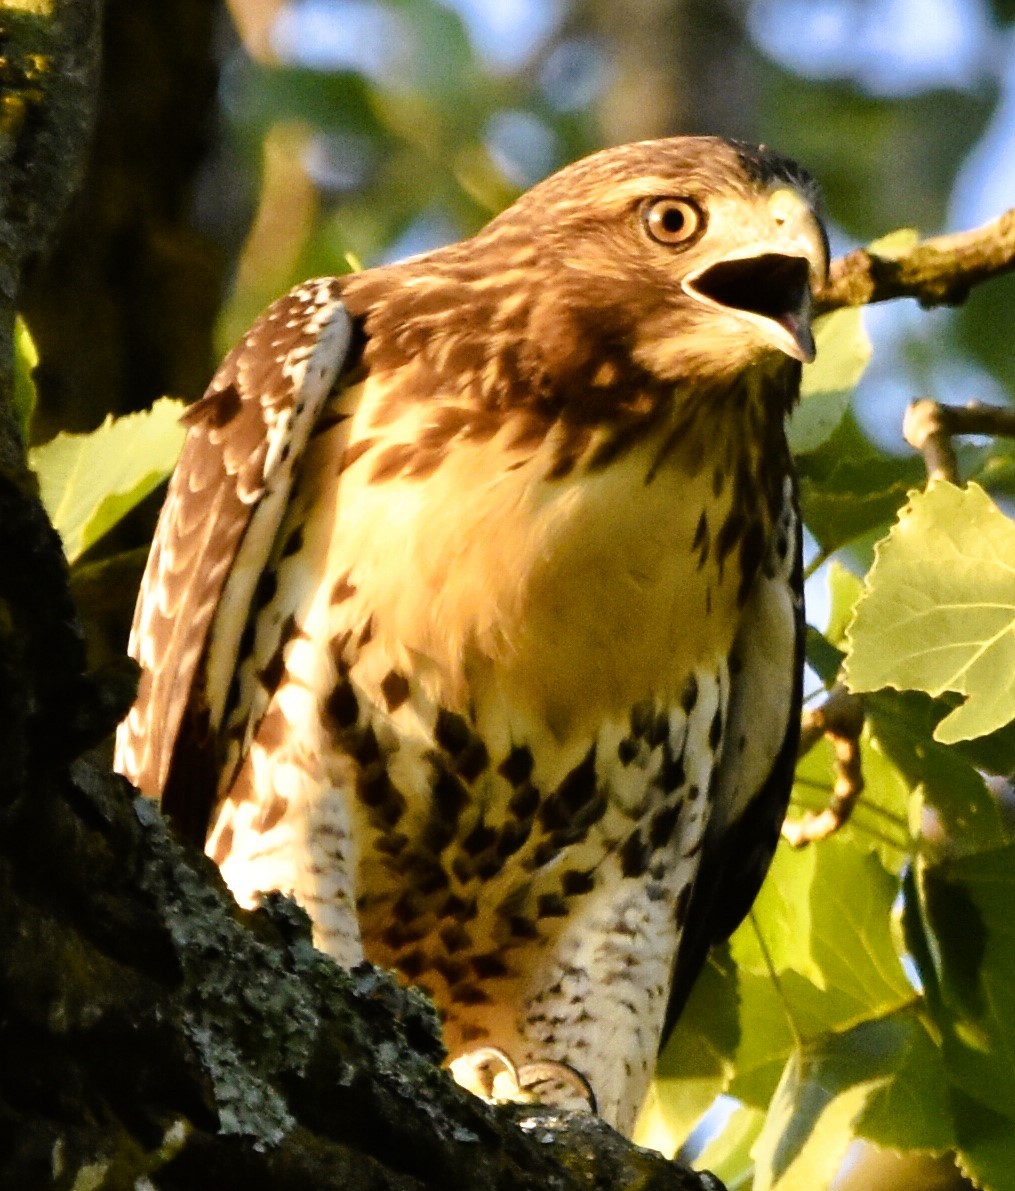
[695, 1066]
[26, 360]
[827, 385]
[844, 589]
[938, 612]
[839, 938]
[728, 1154]
[809, 1126]
[89, 482]
[823, 917]
[894, 243]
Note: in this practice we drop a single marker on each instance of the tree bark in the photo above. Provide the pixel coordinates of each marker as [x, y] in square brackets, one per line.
[122, 306]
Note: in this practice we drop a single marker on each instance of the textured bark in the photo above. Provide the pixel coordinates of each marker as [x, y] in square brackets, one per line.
[123, 305]
[937, 272]
[152, 1028]
[151, 1033]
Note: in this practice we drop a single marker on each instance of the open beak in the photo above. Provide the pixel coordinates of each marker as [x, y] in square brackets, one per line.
[770, 283]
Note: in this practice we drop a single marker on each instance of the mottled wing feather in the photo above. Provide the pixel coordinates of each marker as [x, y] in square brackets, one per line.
[755, 775]
[222, 510]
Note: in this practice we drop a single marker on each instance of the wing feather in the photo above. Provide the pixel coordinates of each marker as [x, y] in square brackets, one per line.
[755, 773]
[222, 511]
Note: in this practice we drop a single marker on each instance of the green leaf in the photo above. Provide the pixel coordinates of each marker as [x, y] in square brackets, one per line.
[89, 482]
[824, 916]
[728, 1154]
[844, 589]
[26, 360]
[769, 1035]
[809, 1125]
[985, 1150]
[695, 1065]
[827, 385]
[938, 612]
[852, 943]
[783, 919]
[961, 934]
[822, 657]
[966, 905]
[869, 1081]
[849, 488]
[966, 817]
[912, 1109]
[838, 938]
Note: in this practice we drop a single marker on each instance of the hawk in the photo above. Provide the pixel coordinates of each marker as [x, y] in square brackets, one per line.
[473, 616]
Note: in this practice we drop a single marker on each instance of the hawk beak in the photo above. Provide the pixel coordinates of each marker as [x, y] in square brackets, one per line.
[770, 284]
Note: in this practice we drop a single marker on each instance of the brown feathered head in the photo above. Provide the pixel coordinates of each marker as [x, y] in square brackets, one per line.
[685, 258]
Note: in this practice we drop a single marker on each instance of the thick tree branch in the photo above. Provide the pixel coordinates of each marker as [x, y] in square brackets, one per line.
[937, 272]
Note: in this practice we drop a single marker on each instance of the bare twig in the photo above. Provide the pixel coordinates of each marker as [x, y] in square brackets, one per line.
[929, 427]
[937, 272]
[924, 428]
[841, 719]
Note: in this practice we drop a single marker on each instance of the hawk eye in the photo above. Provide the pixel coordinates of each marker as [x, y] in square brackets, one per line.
[671, 220]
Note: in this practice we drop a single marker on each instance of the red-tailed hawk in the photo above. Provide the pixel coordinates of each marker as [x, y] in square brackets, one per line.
[473, 616]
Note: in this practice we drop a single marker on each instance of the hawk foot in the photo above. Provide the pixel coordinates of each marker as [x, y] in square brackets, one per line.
[490, 1073]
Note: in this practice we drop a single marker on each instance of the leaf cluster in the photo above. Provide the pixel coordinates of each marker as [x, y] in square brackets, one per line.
[870, 995]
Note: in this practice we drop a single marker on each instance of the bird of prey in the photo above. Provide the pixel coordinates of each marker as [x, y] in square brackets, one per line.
[473, 615]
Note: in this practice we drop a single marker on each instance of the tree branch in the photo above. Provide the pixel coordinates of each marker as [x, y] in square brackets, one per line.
[929, 427]
[937, 272]
[841, 719]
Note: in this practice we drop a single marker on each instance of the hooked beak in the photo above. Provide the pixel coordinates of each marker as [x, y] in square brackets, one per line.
[770, 284]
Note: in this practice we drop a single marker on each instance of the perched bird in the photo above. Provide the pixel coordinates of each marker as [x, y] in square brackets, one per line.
[473, 615]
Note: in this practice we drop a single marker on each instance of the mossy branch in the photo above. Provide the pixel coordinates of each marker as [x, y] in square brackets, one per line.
[937, 272]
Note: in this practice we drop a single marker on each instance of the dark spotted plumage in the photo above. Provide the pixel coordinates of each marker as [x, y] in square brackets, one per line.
[473, 615]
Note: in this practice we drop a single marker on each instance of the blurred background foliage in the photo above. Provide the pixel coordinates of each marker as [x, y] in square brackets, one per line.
[245, 146]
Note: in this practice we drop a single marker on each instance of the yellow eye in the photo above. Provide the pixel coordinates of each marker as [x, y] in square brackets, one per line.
[672, 220]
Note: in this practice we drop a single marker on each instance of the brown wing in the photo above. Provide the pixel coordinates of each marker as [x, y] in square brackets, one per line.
[755, 775]
[222, 511]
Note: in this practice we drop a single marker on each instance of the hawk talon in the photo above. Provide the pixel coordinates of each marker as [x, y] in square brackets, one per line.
[511, 1084]
[466, 1072]
[533, 1073]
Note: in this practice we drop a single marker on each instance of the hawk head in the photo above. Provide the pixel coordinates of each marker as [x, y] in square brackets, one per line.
[695, 252]
[685, 259]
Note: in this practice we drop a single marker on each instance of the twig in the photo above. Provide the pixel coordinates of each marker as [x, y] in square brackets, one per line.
[929, 427]
[924, 428]
[937, 272]
[841, 719]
